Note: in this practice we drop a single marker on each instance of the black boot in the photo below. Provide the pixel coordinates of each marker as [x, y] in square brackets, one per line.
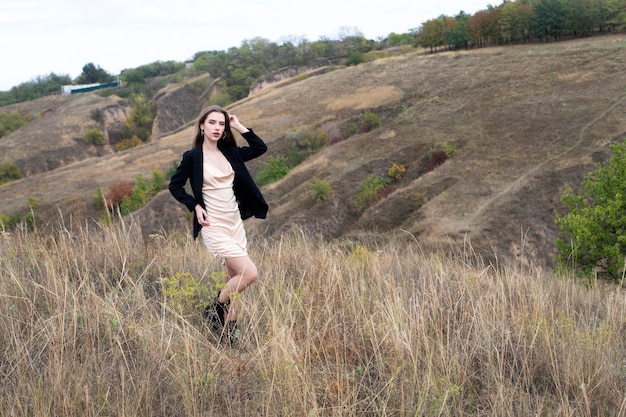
[215, 314]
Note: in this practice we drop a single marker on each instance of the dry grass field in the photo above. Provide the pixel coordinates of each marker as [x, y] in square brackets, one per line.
[335, 329]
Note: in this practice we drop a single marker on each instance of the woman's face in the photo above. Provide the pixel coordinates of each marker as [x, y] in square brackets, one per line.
[214, 125]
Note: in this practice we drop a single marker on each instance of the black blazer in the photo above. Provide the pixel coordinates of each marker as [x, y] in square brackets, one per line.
[249, 197]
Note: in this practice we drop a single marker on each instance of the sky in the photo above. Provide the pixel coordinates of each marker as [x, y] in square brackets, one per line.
[39, 37]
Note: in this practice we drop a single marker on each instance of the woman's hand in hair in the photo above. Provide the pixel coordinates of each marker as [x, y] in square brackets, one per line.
[236, 124]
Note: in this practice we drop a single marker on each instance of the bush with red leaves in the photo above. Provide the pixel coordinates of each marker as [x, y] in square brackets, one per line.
[436, 158]
[117, 191]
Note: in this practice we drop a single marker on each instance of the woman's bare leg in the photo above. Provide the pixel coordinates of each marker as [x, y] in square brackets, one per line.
[241, 272]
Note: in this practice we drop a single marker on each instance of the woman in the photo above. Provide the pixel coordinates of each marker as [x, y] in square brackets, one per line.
[224, 194]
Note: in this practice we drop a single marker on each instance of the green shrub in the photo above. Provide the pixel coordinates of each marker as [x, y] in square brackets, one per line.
[187, 295]
[596, 223]
[370, 122]
[369, 191]
[273, 170]
[24, 220]
[128, 143]
[350, 130]
[371, 118]
[9, 221]
[97, 115]
[313, 139]
[355, 58]
[377, 187]
[294, 156]
[99, 200]
[142, 111]
[128, 197]
[321, 190]
[184, 294]
[138, 126]
[142, 192]
[135, 200]
[29, 220]
[11, 121]
[446, 149]
[5, 221]
[94, 137]
[172, 169]
[143, 133]
[305, 142]
[449, 150]
[158, 181]
[221, 99]
[419, 199]
[9, 171]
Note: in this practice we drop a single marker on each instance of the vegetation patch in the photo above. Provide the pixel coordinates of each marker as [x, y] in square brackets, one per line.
[124, 197]
[275, 169]
[321, 189]
[11, 121]
[595, 225]
[437, 156]
[9, 171]
[94, 137]
[376, 187]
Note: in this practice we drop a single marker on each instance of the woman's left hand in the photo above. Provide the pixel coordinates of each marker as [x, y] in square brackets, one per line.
[236, 124]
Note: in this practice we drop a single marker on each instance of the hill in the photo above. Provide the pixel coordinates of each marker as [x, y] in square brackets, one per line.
[525, 122]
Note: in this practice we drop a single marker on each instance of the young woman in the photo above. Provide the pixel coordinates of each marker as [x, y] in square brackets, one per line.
[224, 194]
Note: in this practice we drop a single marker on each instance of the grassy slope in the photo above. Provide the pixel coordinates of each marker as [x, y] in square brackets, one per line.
[527, 121]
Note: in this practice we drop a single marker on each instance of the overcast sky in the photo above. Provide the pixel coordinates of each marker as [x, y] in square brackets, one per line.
[38, 37]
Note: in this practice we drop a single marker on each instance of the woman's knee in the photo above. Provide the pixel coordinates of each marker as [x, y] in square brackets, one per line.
[244, 269]
[251, 273]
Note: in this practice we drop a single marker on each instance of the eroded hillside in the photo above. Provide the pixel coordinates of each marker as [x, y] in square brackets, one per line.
[525, 122]
[55, 136]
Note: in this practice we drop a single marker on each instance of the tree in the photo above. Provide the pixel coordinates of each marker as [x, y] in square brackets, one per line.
[611, 14]
[483, 26]
[397, 39]
[513, 23]
[38, 87]
[549, 19]
[92, 74]
[459, 37]
[579, 18]
[143, 110]
[217, 63]
[596, 222]
[430, 34]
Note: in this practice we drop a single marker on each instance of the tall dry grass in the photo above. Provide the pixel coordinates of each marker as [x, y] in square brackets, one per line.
[329, 329]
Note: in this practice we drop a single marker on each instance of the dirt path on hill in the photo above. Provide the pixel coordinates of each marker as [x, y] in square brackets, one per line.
[523, 179]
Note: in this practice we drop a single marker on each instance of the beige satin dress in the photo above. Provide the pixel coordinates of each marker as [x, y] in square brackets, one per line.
[225, 236]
